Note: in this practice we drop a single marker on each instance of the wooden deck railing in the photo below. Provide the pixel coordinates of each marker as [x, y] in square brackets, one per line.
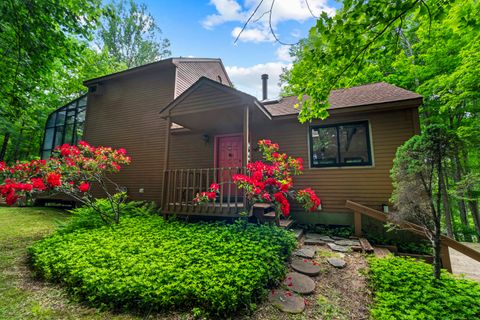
[359, 210]
[182, 185]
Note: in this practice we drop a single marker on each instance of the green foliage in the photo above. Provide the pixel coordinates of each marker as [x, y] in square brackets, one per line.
[343, 232]
[430, 47]
[131, 35]
[415, 246]
[88, 218]
[405, 289]
[37, 37]
[147, 262]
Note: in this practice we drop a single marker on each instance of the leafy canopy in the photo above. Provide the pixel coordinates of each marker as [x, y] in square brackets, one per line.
[131, 35]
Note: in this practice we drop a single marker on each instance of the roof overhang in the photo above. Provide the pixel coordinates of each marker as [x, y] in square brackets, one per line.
[173, 108]
[145, 67]
[379, 107]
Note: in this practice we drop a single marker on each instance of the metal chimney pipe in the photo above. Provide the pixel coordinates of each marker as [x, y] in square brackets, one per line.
[264, 86]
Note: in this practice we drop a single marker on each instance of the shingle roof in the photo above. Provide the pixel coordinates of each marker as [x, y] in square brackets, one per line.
[369, 94]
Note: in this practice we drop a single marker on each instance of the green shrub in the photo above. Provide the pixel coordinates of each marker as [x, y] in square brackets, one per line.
[338, 231]
[405, 289]
[87, 218]
[147, 262]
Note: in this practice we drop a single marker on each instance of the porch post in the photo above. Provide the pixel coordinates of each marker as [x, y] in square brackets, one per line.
[246, 135]
[165, 163]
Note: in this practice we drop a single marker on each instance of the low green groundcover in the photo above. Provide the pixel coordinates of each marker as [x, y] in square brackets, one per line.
[147, 262]
[406, 289]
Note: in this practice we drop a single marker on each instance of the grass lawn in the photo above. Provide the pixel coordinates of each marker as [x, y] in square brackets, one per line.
[21, 297]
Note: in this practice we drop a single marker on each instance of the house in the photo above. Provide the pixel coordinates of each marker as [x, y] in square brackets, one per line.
[185, 126]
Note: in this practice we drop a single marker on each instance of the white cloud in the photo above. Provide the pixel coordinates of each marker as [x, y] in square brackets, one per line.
[248, 79]
[291, 10]
[228, 10]
[253, 35]
[283, 54]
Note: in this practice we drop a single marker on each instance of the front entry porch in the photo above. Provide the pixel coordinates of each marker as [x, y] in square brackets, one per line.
[208, 141]
[182, 185]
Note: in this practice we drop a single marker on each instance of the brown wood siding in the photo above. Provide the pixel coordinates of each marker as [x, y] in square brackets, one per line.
[126, 114]
[204, 98]
[188, 72]
[370, 186]
[190, 151]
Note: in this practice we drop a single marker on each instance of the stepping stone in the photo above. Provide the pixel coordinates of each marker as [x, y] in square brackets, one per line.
[308, 267]
[347, 243]
[305, 253]
[286, 301]
[299, 283]
[338, 238]
[336, 247]
[337, 263]
[314, 242]
[318, 237]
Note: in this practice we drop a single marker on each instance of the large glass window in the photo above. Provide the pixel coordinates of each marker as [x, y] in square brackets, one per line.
[64, 125]
[339, 145]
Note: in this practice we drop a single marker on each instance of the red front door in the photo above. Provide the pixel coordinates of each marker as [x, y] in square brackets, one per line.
[229, 150]
[229, 155]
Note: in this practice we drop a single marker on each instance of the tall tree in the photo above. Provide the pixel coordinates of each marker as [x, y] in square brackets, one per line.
[426, 46]
[34, 36]
[131, 34]
[417, 173]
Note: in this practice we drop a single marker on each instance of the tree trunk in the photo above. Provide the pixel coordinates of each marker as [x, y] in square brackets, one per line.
[473, 204]
[437, 250]
[3, 151]
[445, 202]
[17, 145]
[461, 203]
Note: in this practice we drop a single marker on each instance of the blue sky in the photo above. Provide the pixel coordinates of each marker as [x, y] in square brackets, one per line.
[207, 28]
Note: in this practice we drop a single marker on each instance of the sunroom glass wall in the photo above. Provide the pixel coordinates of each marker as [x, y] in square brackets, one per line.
[65, 125]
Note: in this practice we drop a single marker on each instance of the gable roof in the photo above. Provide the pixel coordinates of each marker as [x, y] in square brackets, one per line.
[203, 81]
[176, 61]
[189, 70]
[364, 95]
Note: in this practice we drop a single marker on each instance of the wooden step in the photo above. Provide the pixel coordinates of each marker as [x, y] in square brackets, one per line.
[298, 233]
[262, 205]
[381, 252]
[366, 246]
[286, 223]
[270, 215]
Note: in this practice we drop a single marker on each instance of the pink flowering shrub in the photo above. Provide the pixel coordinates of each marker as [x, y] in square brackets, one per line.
[270, 181]
[71, 170]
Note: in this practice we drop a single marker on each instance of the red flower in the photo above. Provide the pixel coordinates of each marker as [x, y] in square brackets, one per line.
[54, 179]
[84, 187]
[214, 187]
[122, 151]
[11, 199]
[38, 184]
[266, 197]
[211, 195]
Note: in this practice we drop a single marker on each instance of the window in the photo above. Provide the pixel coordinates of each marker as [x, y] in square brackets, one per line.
[340, 145]
[64, 125]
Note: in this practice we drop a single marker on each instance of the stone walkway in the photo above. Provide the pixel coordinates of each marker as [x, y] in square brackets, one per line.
[461, 264]
[290, 297]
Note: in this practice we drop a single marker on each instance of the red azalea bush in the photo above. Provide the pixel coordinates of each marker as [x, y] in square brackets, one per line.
[70, 170]
[270, 182]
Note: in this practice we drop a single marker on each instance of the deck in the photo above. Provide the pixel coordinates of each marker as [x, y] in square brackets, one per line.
[182, 186]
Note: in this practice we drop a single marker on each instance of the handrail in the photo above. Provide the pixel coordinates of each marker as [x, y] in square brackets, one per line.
[447, 241]
[181, 186]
